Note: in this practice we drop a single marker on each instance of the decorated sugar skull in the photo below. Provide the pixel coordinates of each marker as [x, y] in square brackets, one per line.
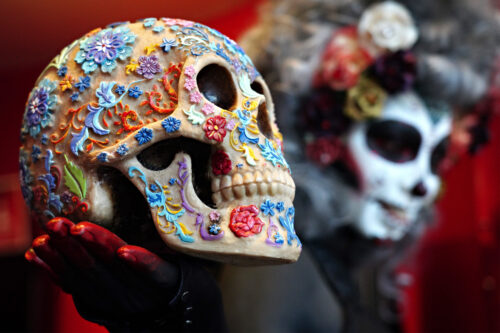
[172, 110]
[379, 136]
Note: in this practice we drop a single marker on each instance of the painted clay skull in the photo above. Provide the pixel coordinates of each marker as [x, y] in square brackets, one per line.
[179, 110]
[397, 157]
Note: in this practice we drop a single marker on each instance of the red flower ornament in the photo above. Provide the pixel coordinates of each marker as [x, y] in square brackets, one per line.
[324, 151]
[244, 221]
[215, 128]
[221, 163]
[343, 61]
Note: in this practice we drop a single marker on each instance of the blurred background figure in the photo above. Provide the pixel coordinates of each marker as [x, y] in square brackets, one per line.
[379, 99]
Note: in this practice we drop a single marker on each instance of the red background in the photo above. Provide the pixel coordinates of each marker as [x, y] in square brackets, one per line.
[456, 268]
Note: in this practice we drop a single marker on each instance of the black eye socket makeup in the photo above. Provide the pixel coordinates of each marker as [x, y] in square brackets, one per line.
[393, 140]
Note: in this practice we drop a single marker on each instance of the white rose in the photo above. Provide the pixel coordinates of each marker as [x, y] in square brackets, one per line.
[387, 26]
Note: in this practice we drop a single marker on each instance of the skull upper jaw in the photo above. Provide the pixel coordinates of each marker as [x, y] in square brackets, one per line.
[188, 230]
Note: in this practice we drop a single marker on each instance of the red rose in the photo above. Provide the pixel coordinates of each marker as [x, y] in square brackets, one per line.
[221, 164]
[343, 72]
[244, 221]
[344, 59]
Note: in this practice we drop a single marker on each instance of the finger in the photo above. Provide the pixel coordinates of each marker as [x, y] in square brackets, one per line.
[149, 264]
[50, 257]
[59, 226]
[99, 241]
[33, 259]
[67, 245]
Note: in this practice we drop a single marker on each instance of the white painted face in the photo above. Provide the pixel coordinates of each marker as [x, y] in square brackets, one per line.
[397, 156]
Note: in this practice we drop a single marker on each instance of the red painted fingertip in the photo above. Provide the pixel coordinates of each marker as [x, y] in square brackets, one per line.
[40, 241]
[81, 231]
[126, 256]
[32, 258]
[98, 234]
[43, 249]
[59, 226]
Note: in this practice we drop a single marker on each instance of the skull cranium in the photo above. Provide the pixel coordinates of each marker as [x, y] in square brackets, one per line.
[179, 110]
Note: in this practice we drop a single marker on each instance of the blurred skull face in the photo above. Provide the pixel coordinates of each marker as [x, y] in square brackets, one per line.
[397, 158]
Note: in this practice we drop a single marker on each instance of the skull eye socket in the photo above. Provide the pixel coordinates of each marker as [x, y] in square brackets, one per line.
[257, 87]
[438, 154]
[160, 155]
[263, 117]
[263, 121]
[393, 140]
[216, 84]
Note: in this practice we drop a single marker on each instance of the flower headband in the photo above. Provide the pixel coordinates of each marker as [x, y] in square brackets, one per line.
[360, 66]
[370, 60]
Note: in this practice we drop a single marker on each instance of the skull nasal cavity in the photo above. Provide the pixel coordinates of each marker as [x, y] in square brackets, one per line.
[419, 190]
[216, 84]
[161, 155]
[263, 121]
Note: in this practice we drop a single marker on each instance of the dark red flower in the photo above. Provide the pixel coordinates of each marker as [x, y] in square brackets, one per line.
[324, 151]
[244, 221]
[221, 163]
[322, 113]
[396, 72]
[215, 128]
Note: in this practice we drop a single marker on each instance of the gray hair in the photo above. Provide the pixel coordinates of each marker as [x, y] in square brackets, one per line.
[456, 46]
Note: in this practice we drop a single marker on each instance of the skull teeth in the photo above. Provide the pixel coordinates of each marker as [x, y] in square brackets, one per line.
[238, 186]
